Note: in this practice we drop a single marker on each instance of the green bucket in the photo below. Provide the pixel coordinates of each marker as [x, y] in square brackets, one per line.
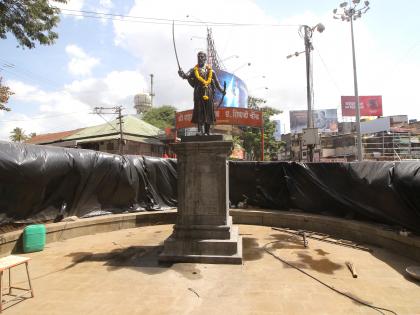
[34, 238]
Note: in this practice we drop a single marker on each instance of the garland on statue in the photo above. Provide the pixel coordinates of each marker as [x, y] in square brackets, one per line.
[204, 82]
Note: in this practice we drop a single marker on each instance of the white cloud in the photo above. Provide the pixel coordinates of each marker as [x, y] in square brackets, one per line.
[80, 64]
[266, 48]
[70, 107]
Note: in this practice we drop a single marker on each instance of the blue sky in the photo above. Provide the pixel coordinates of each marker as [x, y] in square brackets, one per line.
[104, 63]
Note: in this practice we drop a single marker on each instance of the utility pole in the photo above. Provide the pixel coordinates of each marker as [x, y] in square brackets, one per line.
[152, 94]
[112, 111]
[307, 37]
[349, 12]
[121, 142]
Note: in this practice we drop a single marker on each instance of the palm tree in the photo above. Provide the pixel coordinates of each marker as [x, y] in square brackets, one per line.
[18, 135]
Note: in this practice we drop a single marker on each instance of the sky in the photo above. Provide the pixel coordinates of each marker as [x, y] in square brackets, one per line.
[105, 62]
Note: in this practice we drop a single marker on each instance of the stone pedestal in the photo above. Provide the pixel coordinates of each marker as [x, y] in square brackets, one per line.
[203, 231]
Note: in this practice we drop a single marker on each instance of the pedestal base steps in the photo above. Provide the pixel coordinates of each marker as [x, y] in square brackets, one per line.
[204, 250]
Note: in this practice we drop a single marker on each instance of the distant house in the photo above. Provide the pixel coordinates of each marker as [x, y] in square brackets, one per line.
[51, 138]
[138, 137]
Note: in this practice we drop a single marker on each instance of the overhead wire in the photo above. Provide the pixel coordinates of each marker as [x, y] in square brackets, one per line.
[162, 21]
[43, 117]
[328, 71]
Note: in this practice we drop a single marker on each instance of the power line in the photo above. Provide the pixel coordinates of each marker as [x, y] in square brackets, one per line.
[328, 71]
[18, 71]
[162, 21]
[41, 117]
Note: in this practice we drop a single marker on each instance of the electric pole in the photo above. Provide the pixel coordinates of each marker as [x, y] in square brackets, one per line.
[307, 37]
[112, 111]
[121, 142]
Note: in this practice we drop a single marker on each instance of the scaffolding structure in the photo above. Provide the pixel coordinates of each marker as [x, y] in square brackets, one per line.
[392, 146]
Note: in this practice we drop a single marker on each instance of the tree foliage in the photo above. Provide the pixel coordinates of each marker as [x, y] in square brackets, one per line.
[18, 135]
[255, 102]
[5, 93]
[251, 137]
[161, 117]
[30, 21]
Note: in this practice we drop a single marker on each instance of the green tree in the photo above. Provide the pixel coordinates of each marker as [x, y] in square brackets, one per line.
[161, 117]
[5, 93]
[251, 137]
[255, 102]
[29, 21]
[18, 135]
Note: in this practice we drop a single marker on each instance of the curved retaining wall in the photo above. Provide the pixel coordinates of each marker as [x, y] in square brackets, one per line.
[360, 232]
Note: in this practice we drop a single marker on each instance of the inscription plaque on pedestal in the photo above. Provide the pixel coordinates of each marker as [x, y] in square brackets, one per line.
[203, 231]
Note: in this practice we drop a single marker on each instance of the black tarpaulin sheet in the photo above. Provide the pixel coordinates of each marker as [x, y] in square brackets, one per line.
[384, 192]
[36, 181]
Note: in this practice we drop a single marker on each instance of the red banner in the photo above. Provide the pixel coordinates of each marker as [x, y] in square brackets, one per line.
[369, 105]
[224, 116]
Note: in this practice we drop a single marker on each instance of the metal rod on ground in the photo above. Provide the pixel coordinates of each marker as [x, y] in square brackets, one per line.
[323, 239]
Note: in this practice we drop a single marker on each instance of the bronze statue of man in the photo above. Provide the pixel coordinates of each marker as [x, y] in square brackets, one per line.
[204, 81]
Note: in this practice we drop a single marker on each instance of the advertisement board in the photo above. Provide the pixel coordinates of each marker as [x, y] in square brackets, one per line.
[224, 116]
[369, 105]
[236, 90]
[324, 119]
[375, 125]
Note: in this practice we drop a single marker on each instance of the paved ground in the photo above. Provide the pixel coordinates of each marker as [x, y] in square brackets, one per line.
[117, 273]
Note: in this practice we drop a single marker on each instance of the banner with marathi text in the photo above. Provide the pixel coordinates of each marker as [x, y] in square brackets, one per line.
[224, 116]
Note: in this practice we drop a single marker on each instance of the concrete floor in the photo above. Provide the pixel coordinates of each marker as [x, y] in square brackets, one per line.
[118, 273]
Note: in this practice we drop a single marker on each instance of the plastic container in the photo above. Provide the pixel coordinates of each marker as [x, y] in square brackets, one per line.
[34, 238]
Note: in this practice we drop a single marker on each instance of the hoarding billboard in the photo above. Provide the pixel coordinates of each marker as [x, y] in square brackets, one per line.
[224, 116]
[324, 119]
[375, 125]
[369, 105]
[236, 90]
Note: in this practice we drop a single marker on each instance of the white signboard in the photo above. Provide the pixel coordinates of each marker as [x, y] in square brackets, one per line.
[376, 125]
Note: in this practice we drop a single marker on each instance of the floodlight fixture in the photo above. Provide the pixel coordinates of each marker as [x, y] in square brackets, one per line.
[320, 27]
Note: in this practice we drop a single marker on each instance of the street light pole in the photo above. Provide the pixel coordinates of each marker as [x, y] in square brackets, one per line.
[356, 96]
[308, 48]
[349, 14]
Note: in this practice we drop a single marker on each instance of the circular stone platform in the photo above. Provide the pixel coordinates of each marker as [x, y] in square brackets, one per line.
[118, 273]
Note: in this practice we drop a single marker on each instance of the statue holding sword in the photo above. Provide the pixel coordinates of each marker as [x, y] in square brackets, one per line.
[204, 81]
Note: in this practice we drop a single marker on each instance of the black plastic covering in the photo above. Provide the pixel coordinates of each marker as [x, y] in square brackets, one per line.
[39, 183]
[383, 192]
